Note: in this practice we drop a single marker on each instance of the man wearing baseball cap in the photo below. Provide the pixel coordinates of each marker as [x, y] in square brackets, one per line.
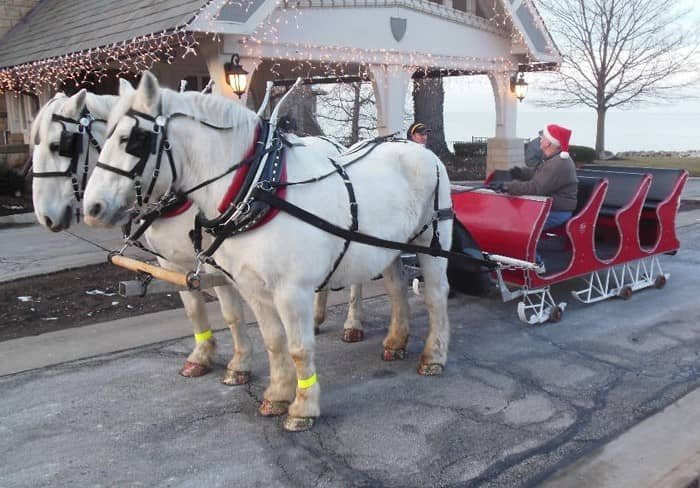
[418, 132]
[555, 177]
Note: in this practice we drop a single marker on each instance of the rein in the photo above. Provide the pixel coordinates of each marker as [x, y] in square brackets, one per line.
[264, 191]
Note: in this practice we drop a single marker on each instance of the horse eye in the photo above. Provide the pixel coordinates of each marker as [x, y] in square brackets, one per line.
[123, 139]
[53, 147]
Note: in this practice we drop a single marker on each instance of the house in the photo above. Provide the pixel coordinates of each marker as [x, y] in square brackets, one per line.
[66, 43]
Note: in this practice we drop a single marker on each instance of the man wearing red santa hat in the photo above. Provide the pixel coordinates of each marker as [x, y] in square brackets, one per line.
[555, 177]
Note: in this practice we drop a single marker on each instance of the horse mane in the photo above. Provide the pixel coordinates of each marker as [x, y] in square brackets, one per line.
[212, 109]
[100, 106]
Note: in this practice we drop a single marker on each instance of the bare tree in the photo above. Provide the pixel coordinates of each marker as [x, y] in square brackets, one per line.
[620, 52]
[302, 108]
[428, 107]
[349, 112]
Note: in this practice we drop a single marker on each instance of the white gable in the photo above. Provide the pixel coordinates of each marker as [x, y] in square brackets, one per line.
[337, 27]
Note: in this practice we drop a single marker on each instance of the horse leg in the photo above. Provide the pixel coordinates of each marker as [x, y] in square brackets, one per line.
[199, 361]
[238, 369]
[295, 309]
[352, 329]
[397, 338]
[320, 305]
[280, 392]
[434, 357]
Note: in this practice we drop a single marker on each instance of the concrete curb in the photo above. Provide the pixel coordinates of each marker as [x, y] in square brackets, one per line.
[21, 218]
[659, 452]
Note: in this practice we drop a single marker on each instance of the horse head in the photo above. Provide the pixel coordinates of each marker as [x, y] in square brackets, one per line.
[128, 154]
[54, 152]
[153, 133]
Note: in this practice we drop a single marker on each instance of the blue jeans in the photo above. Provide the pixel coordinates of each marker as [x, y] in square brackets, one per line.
[556, 218]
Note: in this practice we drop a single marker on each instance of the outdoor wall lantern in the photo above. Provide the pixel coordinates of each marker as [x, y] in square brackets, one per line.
[518, 85]
[236, 76]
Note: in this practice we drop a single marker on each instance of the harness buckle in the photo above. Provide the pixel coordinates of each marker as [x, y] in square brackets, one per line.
[265, 185]
[243, 207]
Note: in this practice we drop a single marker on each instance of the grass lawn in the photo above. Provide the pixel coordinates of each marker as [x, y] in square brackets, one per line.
[691, 164]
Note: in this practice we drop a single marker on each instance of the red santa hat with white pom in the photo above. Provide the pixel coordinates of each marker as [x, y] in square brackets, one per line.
[559, 136]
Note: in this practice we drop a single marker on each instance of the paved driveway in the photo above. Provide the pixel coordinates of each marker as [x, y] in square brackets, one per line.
[515, 404]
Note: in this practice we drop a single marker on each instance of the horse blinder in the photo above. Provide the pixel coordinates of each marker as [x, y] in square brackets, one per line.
[141, 143]
[70, 144]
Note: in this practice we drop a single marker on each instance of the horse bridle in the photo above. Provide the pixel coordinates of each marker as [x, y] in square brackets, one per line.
[71, 145]
[142, 143]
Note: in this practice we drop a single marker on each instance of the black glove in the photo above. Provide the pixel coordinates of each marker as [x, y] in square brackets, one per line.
[517, 173]
[496, 186]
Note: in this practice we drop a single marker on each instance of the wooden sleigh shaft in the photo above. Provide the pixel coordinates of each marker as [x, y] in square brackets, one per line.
[173, 280]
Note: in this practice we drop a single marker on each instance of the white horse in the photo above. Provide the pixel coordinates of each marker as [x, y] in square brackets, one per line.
[277, 266]
[54, 198]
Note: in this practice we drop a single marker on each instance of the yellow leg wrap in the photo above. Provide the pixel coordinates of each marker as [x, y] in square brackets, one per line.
[308, 382]
[203, 336]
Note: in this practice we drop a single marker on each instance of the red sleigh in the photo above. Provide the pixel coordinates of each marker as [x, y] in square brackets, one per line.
[625, 218]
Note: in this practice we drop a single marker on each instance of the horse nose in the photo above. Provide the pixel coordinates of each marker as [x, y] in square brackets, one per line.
[95, 210]
[62, 223]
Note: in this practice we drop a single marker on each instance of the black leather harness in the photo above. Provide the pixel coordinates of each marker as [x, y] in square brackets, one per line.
[257, 195]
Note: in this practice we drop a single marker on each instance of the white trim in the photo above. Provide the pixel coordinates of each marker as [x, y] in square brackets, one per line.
[550, 137]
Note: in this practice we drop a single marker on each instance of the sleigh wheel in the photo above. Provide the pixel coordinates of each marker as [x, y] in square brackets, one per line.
[660, 282]
[556, 314]
[625, 293]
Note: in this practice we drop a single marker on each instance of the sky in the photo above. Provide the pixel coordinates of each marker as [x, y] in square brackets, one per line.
[474, 95]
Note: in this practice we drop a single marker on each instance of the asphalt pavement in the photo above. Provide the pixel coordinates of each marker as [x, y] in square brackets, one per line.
[605, 398]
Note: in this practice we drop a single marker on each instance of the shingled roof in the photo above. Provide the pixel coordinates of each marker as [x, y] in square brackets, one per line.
[58, 27]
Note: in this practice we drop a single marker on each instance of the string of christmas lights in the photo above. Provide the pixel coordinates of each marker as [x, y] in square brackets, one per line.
[142, 52]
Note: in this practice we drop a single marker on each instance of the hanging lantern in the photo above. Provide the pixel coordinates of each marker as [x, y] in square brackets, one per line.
[518, 86]
[236, 76]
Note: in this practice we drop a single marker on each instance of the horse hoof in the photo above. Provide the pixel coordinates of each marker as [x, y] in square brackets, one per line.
[394, 354]
[353, 335]
[233, 378]
[432, 369]
[298, 424]
[268, 408]
[317, 330]
[194, 370]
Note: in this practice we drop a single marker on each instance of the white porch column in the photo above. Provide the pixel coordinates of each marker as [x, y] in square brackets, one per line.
[390, 88]
[215, 60]
[505, 150]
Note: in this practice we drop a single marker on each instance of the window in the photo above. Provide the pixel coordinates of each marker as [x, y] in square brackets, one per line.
[459, 5]
[21, 110]
[196, 83]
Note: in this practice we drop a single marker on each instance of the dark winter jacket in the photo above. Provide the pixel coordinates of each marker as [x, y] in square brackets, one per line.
[555, 177]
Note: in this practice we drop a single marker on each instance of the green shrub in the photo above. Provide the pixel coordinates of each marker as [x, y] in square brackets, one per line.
[10, 181]
[469, 149]
[582, 154]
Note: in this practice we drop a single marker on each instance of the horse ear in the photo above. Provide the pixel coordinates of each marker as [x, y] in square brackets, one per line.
[149, 90]
[76, 103]
[125, 87]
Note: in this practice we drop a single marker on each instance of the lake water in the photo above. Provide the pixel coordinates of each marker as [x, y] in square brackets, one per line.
[625, 130]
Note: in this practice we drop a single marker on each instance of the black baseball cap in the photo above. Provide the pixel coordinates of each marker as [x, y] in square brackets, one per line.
[417, 128]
